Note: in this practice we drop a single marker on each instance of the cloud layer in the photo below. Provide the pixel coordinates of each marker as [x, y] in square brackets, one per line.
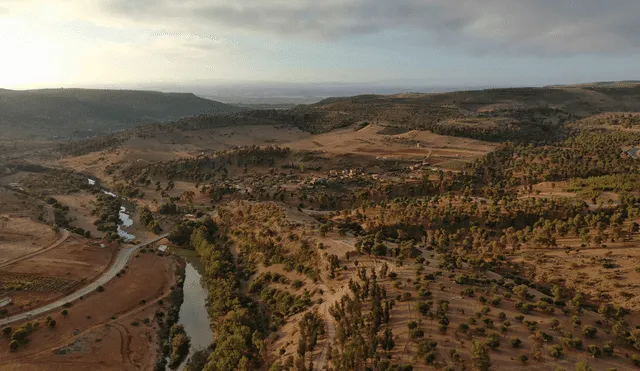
[561, 27]
[547, 26]
[310, 40]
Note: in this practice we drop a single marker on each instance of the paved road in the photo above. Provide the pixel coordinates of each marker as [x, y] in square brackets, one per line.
[65, 235]
[120, 261]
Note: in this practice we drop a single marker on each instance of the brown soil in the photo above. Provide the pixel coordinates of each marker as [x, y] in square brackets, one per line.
[20, 235]
[54, 273]
[367, 142]
[104, 331]
[460, 309]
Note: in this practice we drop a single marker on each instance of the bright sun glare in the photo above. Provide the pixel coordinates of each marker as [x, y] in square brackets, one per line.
[27, 58]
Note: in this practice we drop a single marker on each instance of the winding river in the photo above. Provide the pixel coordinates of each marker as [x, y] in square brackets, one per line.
[193, 311]
[123, 216]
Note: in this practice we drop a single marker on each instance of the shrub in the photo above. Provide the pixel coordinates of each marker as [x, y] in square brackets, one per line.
[583, 366]
[589, 331]
[417, 333]
[14, 345]
[493, 341]
[423, 308]
[463, 327]
[430, 358]
[595, 351]
[515, 342]
[555, 351]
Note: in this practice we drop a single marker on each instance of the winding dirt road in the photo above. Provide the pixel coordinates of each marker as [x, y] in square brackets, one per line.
[65, 235]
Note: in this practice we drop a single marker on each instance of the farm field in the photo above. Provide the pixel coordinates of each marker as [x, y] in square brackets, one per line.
[53, 273]
[102, 333]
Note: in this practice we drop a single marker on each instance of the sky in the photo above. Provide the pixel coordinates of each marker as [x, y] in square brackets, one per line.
[125, 43]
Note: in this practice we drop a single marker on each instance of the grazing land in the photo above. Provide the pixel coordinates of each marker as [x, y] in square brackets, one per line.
[486, 230]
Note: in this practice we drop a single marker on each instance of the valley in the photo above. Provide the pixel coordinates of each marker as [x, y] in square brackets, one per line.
[480, 230]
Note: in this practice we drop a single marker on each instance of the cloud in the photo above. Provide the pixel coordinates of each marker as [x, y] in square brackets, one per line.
[547, 26]
[555, 27]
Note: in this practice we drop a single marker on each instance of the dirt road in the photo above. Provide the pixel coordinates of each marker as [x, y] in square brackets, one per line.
[65, 235]
[118, 264]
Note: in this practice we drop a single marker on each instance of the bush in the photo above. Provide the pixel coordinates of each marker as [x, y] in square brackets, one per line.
[6, 331]
[493, 340]
[430, 358]
[555, 351]
[515, 342]
[417, 333]
[168, 208]
[14, 345]
[589, 331]
[583, 366]
[595, 351]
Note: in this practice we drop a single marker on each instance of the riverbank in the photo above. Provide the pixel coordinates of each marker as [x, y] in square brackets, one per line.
[193, 316]
[165, 322]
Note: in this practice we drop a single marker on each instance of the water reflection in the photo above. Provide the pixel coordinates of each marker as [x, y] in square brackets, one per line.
[193, 312]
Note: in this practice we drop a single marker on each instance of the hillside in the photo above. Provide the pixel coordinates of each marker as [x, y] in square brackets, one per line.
[79, 112]
[517, 114]
[377, 245]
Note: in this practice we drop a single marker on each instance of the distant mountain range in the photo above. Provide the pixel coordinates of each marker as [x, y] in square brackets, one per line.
[50, 113]
[490, 114]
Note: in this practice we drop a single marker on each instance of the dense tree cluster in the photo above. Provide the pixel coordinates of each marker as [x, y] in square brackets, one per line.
[107, 211]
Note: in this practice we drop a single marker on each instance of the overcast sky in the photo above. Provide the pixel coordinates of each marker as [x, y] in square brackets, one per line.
[54, 43]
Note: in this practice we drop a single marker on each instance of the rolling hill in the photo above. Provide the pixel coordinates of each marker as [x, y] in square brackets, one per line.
[519, 114]
[84, 112]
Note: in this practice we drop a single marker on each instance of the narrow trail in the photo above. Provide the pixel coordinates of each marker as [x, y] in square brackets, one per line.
[125, 343]
[65, 235]
[365, 262]
[330, 326]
